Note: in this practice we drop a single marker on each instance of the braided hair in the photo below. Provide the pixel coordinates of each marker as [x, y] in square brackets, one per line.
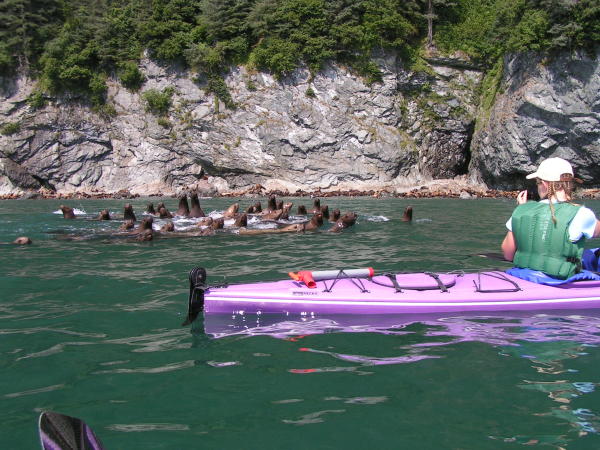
[566, 184]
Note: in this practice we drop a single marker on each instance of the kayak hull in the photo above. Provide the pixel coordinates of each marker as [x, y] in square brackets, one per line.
[486, 291]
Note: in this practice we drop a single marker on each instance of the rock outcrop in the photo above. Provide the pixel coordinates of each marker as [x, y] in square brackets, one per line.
[330, 132]
[545, 108]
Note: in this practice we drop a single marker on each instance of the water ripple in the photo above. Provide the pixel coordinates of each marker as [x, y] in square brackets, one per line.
[138, 427]
[54, 387]
[160, 341]
[52, 330]
[58, 348]
[312, 418]
[162, 369]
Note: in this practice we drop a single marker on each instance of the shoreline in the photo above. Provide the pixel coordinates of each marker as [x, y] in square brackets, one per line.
[433, 189]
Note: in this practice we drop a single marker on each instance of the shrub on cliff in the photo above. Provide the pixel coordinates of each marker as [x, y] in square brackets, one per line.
[130, 75]
[158, 102]
[10, 128]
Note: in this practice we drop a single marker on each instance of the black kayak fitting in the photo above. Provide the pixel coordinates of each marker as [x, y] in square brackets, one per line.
[196, 298]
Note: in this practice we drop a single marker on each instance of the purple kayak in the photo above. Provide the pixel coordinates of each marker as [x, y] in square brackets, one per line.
[413, 293]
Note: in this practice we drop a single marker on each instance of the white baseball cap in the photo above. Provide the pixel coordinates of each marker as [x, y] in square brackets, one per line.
[551, 169]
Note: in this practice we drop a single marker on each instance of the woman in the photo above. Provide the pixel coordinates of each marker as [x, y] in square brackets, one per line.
[549, 235]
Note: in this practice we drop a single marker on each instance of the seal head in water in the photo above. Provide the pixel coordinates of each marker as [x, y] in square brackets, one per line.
[67, 211]
[408, 213]
[128, 213]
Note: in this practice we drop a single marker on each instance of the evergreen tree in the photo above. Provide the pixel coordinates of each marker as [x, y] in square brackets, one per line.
[76, 44]
[26, 26]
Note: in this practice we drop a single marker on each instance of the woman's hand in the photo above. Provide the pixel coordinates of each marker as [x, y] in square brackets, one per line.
[522, 197]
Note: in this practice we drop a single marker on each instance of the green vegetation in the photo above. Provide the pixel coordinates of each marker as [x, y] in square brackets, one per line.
[36, 100]
[487, 29]
[216, 85]
[10, 128]
[75, 45]
[158, 102]
[165, 123]
[106, 110]
[130, 75]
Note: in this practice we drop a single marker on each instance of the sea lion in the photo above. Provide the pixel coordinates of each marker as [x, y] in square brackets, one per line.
[272, 215]
[257, 208]
[346, 221]
[128, 213]
[271, 204]
[145, 224]
[316, 206]
[407, 216]
[241, 221]
[302, 210]
[67, 211]
[279, 204]
[314, 224]
[162, 205]
[145, 235]
[22, 240]
[168, 227]
[164, 213]
[249, 209]
[127, 225]
[278, 214]
[150, 209]
[285, 215]
[205, 221]
[231, 211]
[335, 215]
[104, 215]
[183, 209]
[196, 210]
[206, 232]
[325, 211]
[218, 224]
[213, 224]
[144, 230]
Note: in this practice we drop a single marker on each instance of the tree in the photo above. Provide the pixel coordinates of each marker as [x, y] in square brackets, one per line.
[431, 16]
[26, 26]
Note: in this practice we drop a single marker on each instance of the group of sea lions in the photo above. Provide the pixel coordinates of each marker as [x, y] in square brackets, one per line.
[275, 218]
[276, 214]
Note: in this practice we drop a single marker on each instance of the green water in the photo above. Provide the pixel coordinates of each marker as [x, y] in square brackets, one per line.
[90, 327]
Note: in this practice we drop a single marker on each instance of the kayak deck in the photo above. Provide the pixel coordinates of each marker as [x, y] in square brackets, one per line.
[401, 293]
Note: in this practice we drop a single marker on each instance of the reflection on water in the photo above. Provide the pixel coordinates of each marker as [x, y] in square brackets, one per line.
[546, 340]
[581, 326]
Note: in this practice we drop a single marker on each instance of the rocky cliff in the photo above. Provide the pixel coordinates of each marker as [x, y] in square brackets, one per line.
[544, 107]
[332, 131]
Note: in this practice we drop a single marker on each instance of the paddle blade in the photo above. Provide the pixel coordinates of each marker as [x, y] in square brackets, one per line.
[61, 432]
[498, 256]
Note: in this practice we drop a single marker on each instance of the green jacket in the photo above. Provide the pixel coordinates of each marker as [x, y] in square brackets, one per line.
[543, 245]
